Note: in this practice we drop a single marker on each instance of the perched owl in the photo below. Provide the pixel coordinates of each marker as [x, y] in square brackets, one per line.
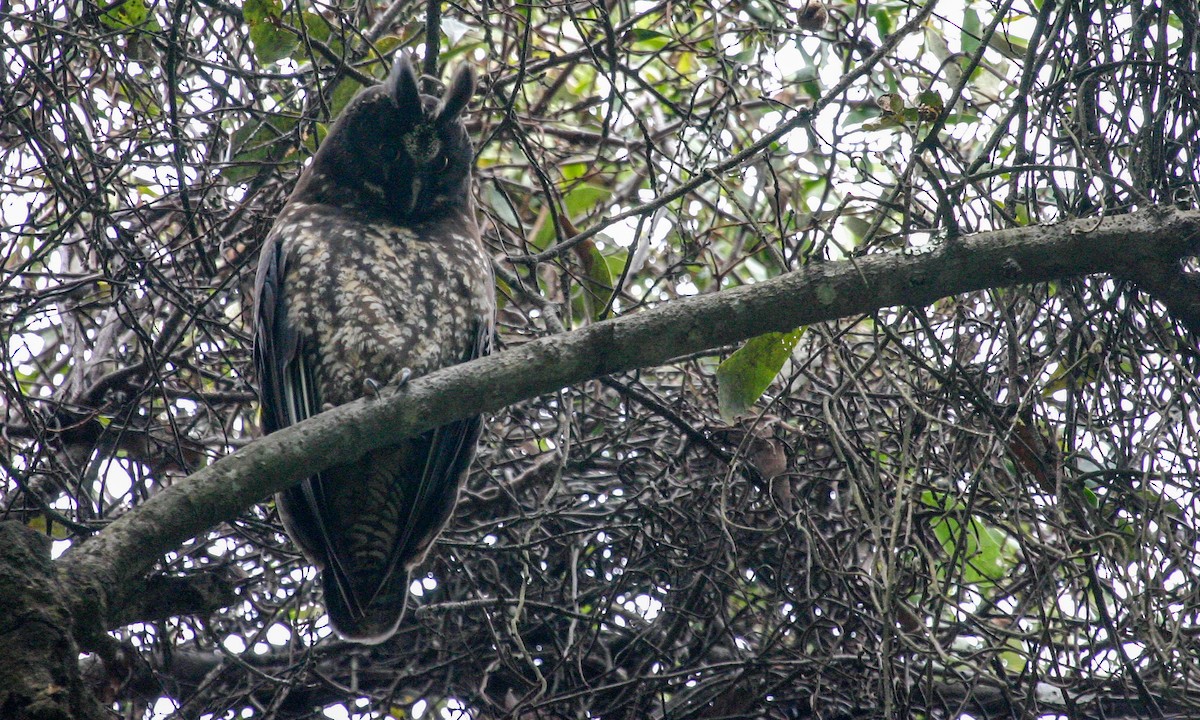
[375, 271]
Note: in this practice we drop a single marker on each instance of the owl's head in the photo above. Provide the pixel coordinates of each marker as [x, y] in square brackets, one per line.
[395, 151]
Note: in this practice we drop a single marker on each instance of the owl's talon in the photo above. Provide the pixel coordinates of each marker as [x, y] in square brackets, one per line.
[374, 388]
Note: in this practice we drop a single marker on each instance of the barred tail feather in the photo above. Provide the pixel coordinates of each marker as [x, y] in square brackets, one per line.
[376, 620]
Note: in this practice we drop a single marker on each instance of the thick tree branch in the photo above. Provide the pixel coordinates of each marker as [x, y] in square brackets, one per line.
[1175, 288]
[162, 597]
[101, 570]
[38, 676]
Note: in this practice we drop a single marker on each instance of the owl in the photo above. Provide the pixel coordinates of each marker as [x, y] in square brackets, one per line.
[374, 272]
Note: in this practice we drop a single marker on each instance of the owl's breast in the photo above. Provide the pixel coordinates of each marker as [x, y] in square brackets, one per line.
[381, 298]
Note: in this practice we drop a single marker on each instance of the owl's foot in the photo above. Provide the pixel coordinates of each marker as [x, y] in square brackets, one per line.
[374, 388]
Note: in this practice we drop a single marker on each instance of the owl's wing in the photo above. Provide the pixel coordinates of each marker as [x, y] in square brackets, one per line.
[275, 341]
[289, 394]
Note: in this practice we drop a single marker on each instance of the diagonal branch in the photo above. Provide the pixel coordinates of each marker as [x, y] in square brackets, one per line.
[102, 571]
[1174, 287]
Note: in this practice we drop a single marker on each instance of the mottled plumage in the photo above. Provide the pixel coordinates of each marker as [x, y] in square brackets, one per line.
[373, 269]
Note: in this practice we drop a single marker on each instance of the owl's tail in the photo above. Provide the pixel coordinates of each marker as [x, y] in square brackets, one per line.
[371, 622]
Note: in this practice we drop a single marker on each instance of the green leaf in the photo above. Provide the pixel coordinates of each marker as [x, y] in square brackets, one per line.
[258, 11]
[931, 99]
[271, 43]
[747, 373]
[462, 49]
[342, 94]
[686, 63]
[1081, 374]
[543, 232]
[858, 227]
[313, 140]
[987, 553]
[1015, 659]
[646, 39]
[936, 43]
[959, 118]
[747, 56]
[573, 170]
[384, 45]
[596, 286]
[316, 26]
[271, 40]
[891, 103]
[1008, 46]
[972, 29]
[500, 207]
[989, 559]
[503, 292]
[583, 199]
[616, 263]
[885, 122]
[883, 21]
[929, 106]
[127, 15]
[142, 100]
[56, 531]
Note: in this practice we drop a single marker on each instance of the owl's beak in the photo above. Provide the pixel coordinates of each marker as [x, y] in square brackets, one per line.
[414, 193]
[403, 200]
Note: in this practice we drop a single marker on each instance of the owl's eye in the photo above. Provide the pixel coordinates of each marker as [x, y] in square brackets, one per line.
[441, 163]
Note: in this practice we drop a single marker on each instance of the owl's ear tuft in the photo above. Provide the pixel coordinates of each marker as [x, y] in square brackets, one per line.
[401, 84]
[458, 94]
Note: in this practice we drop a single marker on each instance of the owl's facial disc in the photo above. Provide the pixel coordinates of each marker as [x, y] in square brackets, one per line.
[422, 144]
